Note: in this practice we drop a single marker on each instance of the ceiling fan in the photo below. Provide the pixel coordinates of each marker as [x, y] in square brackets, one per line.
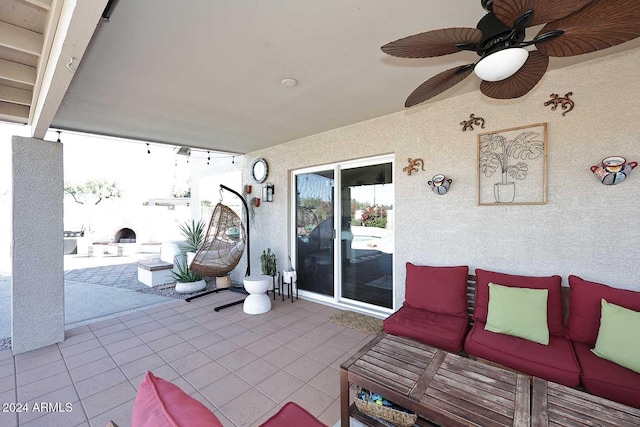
[507, 69]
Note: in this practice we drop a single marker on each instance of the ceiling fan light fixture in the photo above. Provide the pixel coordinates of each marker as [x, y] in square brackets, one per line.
[501, 64]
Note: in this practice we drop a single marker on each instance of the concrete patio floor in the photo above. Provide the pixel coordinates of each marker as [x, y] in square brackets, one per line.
[243, 367]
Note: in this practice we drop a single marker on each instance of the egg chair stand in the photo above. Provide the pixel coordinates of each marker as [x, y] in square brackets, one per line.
[223, 242]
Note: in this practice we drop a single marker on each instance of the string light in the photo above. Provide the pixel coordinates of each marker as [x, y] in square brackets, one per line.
[59, 132]
[208, 157]
[148, 149]
[233, 160]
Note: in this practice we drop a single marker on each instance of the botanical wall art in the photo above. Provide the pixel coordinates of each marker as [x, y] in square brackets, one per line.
[512, 166]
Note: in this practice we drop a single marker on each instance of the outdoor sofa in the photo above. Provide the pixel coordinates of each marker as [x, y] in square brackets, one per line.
[446, 308]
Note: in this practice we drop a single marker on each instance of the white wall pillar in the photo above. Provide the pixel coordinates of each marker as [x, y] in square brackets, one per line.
[37, 288]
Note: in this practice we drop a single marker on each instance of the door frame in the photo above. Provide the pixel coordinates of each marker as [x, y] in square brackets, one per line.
[337, 299]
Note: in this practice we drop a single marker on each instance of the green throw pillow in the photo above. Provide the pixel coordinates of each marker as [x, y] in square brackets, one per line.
[520, 312]
[619, 336]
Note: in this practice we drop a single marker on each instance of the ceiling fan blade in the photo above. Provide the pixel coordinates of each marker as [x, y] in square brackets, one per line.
[433, 43]
[438, 84]
[599, 25]
[509, 11]
[521, 82]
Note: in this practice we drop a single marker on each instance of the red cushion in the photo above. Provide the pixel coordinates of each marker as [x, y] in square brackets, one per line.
[439, 330]
[607, 379]
[552, 283]
[554, 362]
[292, 415]
[437, 289]
[584, 307]
[162, 404]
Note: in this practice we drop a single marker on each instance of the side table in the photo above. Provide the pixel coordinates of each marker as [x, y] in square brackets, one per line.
[257, 302]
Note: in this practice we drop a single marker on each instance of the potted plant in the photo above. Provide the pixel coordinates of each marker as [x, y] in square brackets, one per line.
[289, 275]
[194, 234]
[495, 151]
[187, 281]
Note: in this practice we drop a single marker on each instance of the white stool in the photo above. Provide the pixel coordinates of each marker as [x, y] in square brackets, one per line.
[258, 301]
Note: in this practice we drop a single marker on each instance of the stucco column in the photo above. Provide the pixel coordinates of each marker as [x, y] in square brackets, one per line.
[37, 287]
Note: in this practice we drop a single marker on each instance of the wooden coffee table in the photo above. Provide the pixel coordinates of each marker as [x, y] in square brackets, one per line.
[554, 404]
[440, 387]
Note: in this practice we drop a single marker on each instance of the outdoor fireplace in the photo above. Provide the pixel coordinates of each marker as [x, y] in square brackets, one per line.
[125, 235]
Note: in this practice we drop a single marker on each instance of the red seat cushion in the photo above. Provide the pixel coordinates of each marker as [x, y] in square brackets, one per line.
[584, 307]
[439, 330]
[292, 415]
[554, 362]
[607, 379]
[552, 283]
[437, 289]
[160, 403]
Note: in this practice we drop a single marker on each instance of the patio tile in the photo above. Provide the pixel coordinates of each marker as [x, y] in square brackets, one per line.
[80, 347]
[205, 340]
[305, 368]
[193, 332]
[282, 356]
[219, 349]
[35, 358]
[170, 318]
[103, 323]
[121, 415]
[237, 359]
[177, 351]
[144, 319]
[116, 327]
[285, 320]
[312, 399]
[165, 342]
[343, 341]
[133, 315]
[327, 381]
[231, 330]
[31, 391]
[86, 357]
[267, 328]
[247, 409]
[93, 368]
[303, 344]
[284, 335]
[257, 371]
[108, 399]
[116, 336]
[7, 383]
[321, 333]
[131, 354]
[331, 415]
[190, 362]
[279, 386]
[251, 322]
[8, 419]
[64, 396]
[225, 390]
[166, 372]
[155, 334]
[206, 374]
[216, 324]
[303, 326]
[263, 346]
[8, 369]
[99, 382]
[146, 327]
[141, 366]
[326, 354]
[182, 326]
[245, 338]
[70, 340]
[39, 373]
[123, 345]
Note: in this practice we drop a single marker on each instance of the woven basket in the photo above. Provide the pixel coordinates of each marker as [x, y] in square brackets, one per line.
[394, 416]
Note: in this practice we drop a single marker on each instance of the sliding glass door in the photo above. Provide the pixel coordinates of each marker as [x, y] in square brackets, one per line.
[344, 232]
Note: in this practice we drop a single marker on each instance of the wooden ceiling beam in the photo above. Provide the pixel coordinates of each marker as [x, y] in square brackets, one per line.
[15, 95]
[77, 23]
[17, 72]
[14, 112]
[18, 38]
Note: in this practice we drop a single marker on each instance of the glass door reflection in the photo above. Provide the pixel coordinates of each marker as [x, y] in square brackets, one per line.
[315, 232]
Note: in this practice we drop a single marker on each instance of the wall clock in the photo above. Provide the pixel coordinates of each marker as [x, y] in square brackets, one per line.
[259, 170]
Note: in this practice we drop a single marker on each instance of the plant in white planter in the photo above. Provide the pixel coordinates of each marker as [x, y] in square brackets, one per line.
[187, 281]
[268, 263]
[289, 275]
[495, 151]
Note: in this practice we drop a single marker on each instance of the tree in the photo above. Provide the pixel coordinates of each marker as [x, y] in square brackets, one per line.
[92, 189]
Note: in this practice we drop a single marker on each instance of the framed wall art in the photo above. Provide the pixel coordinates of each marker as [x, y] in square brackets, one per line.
[512, 166]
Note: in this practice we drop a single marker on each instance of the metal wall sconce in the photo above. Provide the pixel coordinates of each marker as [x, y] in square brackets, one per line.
[267, 192]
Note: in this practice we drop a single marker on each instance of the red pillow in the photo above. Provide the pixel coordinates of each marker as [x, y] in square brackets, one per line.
[440, 290]
[584, 307]
[162, 404]
[293, 415]
[552, 283]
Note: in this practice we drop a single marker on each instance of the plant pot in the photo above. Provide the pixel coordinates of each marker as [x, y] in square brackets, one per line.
[505, 193]
[190, 258]
[190, 287]
[289, 276]
[223, 282]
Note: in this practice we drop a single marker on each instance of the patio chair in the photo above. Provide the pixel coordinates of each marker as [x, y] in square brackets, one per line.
[223, 245]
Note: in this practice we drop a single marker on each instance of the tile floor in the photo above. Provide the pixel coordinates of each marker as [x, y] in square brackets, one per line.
[243, 367]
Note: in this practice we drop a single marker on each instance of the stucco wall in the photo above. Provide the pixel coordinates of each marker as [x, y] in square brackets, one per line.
[37, 289]
[586, 228]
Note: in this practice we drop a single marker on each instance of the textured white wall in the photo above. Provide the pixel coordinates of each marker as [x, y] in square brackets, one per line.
[586, 228]
[37, 289]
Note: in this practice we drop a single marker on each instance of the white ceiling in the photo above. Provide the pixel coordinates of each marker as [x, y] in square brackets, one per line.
[207, 74]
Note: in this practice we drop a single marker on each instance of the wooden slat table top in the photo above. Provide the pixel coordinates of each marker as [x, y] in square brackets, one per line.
[444, 387]
[556, 405]
[479, 394]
